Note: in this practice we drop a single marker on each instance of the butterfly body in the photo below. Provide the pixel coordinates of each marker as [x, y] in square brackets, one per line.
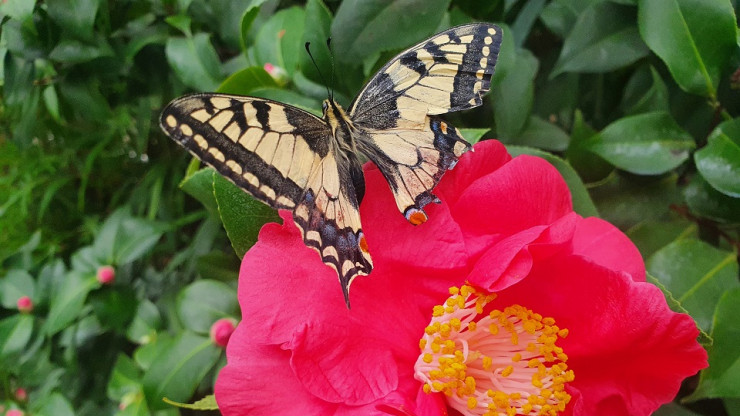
[291, 159]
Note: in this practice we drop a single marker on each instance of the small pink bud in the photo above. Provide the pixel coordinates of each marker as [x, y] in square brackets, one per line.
[25, 305]
[221, 331]
[106, 274]
[270, 68]
[14, 412]
[20, 394]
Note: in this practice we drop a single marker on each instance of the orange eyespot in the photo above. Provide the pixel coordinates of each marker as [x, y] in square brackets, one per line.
[443, 127]
[363, 244]
[417, 217]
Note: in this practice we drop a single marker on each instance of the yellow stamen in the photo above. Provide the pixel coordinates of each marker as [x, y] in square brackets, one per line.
[498, 362]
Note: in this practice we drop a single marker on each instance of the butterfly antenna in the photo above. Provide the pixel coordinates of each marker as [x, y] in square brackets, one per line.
[331, 53]
[308, 49]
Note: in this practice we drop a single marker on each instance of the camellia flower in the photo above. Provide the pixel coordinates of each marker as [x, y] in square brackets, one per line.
[505, 302]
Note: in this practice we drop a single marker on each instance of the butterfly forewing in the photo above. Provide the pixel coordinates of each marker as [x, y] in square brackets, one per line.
[395, 111]
[291, 159]
[282, 156]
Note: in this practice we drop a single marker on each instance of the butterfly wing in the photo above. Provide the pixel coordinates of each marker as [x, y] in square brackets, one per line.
[282, 156]
[396, 110]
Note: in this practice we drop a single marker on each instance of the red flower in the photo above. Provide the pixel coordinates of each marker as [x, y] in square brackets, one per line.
[560, 318]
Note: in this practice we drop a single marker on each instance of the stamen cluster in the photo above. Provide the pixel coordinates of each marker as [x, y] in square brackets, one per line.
[504, 362]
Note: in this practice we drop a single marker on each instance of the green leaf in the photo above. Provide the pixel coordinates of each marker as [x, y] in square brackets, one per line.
[707, 202]
[646, 144]
[241, 214]
[72, 51]
[318, 20]
[673, 409]
[15, 333]
[206, 403]
[204, 302]
[246, 81]
[246, 21]
[76, 17]
[124, 238]
[603, 39]
[55, 405]
[695, 39]
[473, 136]
[645, 92]
[199, 185]
[719, 161]
[560, 15]
[177, 370]
[14, 285]
[589, 166]
[180, 22]
[194, 61]
[18, 9]
[218, 265]
[364, 27]
[722, 378]
[125, 378]
[146, 321]
[513, 89]
[626, 200]
[696, 274]
[732, 406]
[278, 41]
[651, 236]
[542, 134]
[67, 303]
[582, 203]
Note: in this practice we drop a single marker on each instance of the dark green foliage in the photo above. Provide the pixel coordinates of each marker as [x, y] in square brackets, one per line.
[634, 101]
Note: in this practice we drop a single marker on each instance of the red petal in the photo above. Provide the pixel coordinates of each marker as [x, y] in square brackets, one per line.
[628, 350]
[259, 381]
[604, 244]
[343, 368]
[521, 194]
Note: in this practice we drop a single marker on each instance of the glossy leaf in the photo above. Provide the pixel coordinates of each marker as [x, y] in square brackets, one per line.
[473, 135]
[512, 89]
[75, 17]
[278, 41]
[646, 144]
[15, 333]
[68, 302]
[204, 302]
[651, 236]
[15, 284]
[625, 200]
[125, 378]
[694, 38]
[603, 39]
[55, 405]
[589, 166]
[194, 61]
[719, 161]
[542, 134]
[199, 185]
[318, 20]
[645, 92]
[697, 275]
[241, 214]
[364, 27]
[707, 202]
[178, 369]
[722, 378]
[146, 321]
[246, 81]
[582, 202]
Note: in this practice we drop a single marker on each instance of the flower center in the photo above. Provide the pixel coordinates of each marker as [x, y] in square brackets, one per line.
[499, 363]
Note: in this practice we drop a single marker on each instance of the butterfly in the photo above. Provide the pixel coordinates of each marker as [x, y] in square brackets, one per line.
[290, 159]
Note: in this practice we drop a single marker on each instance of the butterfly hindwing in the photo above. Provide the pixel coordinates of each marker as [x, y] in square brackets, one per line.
[282, 156]
[395, 112]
